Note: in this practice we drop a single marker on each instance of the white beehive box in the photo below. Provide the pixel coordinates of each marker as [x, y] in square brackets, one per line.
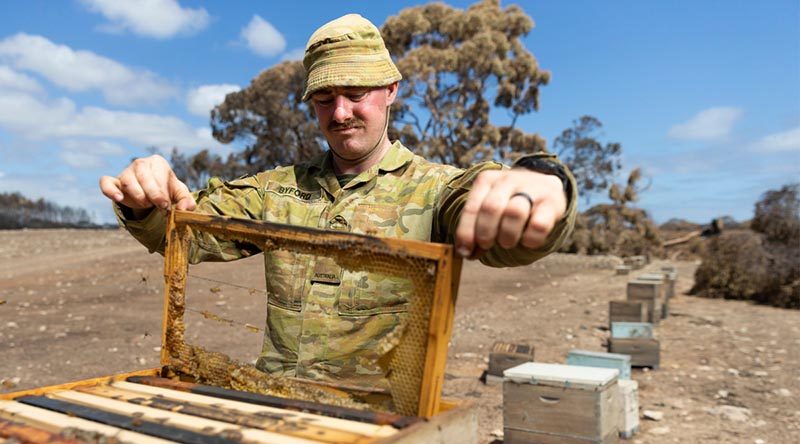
[560, 403]
[629, 409]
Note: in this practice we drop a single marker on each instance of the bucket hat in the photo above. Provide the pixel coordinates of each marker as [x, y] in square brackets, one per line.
[348, 51]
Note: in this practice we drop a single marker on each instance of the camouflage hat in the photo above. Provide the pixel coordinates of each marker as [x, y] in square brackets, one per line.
[348, 51]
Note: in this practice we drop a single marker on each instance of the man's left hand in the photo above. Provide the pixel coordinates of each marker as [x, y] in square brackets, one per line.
[499, 211]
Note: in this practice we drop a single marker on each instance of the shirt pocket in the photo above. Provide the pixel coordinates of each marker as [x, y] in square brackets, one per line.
[376, 220]
[364, 294]
[367, 293]
[284, 283]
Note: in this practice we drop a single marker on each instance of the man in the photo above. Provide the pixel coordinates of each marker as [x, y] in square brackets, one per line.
[324, 322]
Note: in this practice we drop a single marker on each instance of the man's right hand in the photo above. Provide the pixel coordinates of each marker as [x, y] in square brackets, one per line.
[148, 182]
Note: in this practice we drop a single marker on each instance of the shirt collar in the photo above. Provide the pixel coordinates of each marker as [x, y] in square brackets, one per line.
[395, 158]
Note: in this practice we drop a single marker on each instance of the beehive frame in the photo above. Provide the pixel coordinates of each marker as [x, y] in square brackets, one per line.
[444, 265]
[140, 406]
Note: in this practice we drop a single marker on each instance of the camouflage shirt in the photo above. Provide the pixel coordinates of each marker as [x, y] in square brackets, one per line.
[322, 322]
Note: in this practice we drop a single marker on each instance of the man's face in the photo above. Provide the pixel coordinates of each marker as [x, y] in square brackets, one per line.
[353, 119]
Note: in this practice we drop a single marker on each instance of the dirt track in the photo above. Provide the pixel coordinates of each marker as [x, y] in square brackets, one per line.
[79, 304]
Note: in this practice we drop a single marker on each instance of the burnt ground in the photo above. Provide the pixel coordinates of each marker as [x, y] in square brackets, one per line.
[80, 304]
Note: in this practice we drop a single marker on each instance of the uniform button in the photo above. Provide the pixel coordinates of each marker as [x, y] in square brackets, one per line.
[338, 223]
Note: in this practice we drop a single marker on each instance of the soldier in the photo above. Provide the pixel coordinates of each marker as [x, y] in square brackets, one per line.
[364, 183]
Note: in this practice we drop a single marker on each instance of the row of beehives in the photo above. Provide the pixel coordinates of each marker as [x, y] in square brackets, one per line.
[592, 398]
[632, 321]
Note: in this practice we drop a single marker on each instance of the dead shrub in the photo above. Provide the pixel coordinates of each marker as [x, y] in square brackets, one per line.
[692, 250]
[735, 266]
[777, 215]
[616, 228]
[784, 288]
[761, 264]
[679, 225]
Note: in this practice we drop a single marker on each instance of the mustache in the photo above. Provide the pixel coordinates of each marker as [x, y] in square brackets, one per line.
[352, 123]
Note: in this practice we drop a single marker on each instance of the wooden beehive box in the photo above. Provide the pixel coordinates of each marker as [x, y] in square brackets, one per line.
[666, 288]
[141, 407]
[629, 413]
[636, 262]
[645, 289]
[644, 352]
[651, 294]
[560, 403]
[670, 277]
[657, 277]
[586, 358]
[627, 311]
[631, 330]
[144, 407]
[505, 355]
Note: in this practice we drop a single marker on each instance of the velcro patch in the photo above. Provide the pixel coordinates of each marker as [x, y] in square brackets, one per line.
[291, 191]
[326, 271]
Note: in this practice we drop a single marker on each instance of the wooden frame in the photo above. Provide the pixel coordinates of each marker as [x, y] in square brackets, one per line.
[447, 274]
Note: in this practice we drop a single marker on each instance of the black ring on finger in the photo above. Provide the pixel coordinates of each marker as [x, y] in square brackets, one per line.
[523, 194]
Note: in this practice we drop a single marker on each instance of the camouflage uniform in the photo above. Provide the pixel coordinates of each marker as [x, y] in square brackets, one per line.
[323, 323]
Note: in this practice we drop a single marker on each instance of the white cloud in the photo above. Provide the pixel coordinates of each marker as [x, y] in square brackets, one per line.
[200, 101]
[149, 18]
[294, 54]
[83, 70]
[58, 119]
[262, 38]
[12, 80]
[93, 146]
[780, 142]
[709, 124]
[27, 114]
[162, 132]
[88, 154]
[80, 160]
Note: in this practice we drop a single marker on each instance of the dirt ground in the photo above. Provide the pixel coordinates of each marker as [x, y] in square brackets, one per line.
[80, 304]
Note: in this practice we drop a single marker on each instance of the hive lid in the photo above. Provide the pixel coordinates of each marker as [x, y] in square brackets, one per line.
[658, 277]
[559, 375]
[647, 282]
[600, 355]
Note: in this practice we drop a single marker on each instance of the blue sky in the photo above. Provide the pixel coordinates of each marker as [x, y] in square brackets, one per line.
[704, 96]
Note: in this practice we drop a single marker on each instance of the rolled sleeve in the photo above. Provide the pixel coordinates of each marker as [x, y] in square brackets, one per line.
[455, 196]
[149, 231]
[241, 198]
